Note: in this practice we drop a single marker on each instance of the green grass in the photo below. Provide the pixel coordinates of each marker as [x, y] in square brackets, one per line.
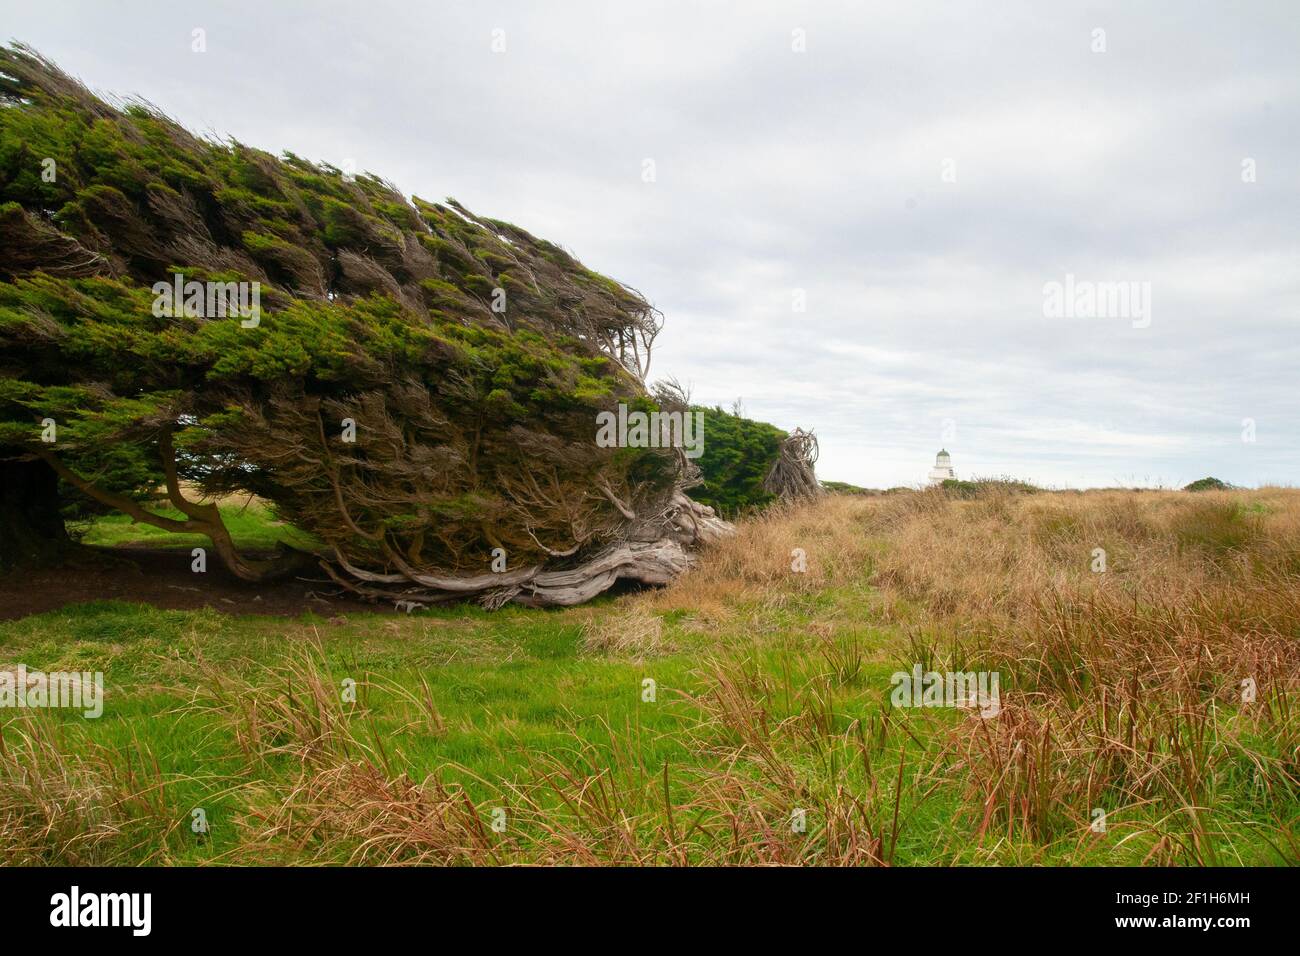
[253, 526]
[516, 694]
[509, 686]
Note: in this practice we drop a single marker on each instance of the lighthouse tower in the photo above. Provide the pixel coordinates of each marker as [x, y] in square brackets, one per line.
[942, 469]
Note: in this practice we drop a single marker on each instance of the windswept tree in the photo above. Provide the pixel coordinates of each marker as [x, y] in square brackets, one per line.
[414, 385]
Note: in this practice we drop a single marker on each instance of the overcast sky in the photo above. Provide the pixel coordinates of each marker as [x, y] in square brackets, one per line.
[915, 173]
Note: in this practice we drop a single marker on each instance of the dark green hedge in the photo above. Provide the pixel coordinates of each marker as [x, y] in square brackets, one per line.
[738, 453]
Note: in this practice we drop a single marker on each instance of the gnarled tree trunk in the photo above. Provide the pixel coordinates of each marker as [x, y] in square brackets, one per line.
[654, 551]
[793, 476]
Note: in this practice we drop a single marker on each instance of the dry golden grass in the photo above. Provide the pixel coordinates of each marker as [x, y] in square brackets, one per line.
[1123, 688]
[755, 565]
[632, 632]
[998, 555]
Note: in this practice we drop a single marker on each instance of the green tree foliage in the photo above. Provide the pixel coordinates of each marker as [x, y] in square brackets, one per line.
[738, 454]
[1208, 484]
[470, 357]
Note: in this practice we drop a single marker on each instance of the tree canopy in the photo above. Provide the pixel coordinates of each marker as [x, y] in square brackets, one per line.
[417, 386]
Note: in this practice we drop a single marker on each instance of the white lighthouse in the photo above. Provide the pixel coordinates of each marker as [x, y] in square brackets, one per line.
[942, 469]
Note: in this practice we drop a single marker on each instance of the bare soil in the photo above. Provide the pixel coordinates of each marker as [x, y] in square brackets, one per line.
[162, 577]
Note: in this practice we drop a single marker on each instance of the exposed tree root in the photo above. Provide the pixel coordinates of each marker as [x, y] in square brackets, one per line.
[654, 552]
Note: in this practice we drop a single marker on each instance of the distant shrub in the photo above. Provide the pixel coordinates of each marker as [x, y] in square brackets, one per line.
[1208, 484]
[980, 487]
[844, 488]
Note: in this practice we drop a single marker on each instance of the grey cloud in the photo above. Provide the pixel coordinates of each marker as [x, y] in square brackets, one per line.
[821, 171]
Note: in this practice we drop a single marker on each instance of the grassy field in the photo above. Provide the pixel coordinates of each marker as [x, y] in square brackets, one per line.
[767, 734]
[250, 522]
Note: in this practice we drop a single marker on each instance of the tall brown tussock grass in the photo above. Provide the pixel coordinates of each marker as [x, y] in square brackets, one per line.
[1123, 687]
[1125, 627]
[341, 796]
[64, 807]
[754, 565]
[601, 805]
[1159, 692]
[332, 791]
